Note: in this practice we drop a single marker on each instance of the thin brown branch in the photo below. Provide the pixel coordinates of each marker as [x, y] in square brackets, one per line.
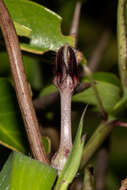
[99, 50]
[21, 85]
[75, 21]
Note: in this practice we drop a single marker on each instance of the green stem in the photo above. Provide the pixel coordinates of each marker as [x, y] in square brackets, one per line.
[122, 43]
[95, 141]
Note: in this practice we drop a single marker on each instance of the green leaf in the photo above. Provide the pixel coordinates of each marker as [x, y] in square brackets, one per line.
[108, 90]
[47, 144]
[12, 131]
[22, 172]
[11, 125]
[72, 164]
[33, 72]
[48, 90]
[43, 23]
[106, 77]
[22, 30]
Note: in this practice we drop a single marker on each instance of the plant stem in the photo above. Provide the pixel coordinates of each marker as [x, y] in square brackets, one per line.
[117, 123]
[60, 158]
[66, 137]
[122, 43]
[21, 85]
[75, 21]
[95, 141]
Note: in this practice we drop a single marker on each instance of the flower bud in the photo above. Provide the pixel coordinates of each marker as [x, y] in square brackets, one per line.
[66, 68]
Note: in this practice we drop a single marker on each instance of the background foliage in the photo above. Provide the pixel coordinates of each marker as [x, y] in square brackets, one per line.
[40, 36]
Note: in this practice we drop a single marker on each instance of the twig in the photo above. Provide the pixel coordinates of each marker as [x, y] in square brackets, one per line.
[98, 51]
[101, 165]
[21, 85]
[75, 21]
[122, 43]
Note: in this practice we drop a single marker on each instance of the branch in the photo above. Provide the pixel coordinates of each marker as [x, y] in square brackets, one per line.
[21, 85]
[98, 51]
[75, 21]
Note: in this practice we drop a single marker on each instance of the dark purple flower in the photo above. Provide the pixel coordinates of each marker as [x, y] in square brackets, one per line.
[66, 68]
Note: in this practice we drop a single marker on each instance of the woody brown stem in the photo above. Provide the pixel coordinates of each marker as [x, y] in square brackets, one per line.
[21, 85]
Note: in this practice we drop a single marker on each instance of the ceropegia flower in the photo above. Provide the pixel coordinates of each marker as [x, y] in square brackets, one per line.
[66, 80]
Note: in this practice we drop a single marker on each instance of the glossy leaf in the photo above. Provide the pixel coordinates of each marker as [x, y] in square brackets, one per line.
[22, 172]
[108, 90]
[72, 164]
[11, 125]
[44, 24]
[12, 131]
[22, 30]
